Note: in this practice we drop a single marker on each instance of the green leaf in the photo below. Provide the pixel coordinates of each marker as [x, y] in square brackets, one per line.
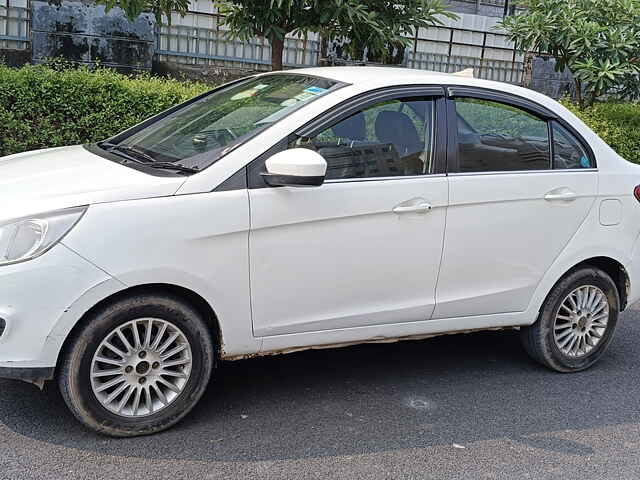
[598, 40]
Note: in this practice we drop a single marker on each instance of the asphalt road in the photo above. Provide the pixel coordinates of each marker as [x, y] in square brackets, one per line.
[466, 407]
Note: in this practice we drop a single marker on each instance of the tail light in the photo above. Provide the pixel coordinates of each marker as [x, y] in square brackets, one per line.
[636, 192]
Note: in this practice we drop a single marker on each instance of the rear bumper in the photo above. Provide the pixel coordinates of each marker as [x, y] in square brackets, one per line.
[634, 275]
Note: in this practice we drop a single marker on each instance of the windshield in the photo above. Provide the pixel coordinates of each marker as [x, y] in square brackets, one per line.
[202, 132]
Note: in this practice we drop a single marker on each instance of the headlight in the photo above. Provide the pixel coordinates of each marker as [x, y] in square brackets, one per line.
[29, 237]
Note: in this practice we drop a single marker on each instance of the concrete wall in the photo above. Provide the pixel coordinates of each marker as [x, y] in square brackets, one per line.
[480, 8]
[85, 33]
[544, 79]
[15, 58]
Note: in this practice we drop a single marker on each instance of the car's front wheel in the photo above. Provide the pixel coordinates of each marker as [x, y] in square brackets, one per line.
[137, 366]
[576, 323]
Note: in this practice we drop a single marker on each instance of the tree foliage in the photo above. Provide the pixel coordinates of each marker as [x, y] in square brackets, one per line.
[597, 40]
[379, 26]
[395, 22]
[133, 8]
[274, 19]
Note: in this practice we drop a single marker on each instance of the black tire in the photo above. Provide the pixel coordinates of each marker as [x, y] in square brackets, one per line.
[76, 362]
[538, 339]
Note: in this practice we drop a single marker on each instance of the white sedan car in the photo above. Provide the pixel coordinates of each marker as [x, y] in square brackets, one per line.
[308, 209]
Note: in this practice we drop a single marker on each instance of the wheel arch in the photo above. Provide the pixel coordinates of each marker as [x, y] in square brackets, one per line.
[189, 296]
[611, 267]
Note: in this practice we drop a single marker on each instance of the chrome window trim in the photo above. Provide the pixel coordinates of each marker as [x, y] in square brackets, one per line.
[459, 174]
[377, 179]
[520, 172]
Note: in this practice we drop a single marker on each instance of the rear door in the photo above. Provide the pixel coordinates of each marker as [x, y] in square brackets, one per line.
[365, 247]
[521, 183]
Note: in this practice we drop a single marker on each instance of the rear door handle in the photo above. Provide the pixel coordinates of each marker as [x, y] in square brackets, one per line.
[562, 194]
[422, 207]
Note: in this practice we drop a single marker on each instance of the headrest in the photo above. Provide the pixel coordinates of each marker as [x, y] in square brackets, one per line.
[353, 127]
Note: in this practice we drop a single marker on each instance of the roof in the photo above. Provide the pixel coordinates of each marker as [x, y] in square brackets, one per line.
[365, 74]
[387, 76]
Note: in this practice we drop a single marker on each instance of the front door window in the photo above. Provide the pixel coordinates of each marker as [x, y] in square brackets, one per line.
[387, 139]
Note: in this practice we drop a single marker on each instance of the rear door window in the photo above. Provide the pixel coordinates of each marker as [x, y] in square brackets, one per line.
[568, 152]
[495, 137]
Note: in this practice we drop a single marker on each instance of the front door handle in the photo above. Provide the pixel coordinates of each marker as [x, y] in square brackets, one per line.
[422, 207]
[563, 194]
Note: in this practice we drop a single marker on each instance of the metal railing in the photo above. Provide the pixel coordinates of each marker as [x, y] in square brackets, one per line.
[489, 60]
[508, 7]
[497, 70]
[486, 52]
[15, 27]
[214, 46]
[497, 3]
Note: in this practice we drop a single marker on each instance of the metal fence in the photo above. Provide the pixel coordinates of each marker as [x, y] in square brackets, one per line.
[212, 45]
[490, 54]
[507, 6]
[499, 3]
[15, 22]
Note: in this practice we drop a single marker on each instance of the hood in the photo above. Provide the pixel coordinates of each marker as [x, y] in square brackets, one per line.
[56, 178]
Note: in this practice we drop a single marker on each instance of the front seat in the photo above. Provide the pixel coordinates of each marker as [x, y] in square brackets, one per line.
[397, 129]
[342, 156]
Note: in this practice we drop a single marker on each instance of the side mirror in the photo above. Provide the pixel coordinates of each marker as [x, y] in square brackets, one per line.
[298, 167]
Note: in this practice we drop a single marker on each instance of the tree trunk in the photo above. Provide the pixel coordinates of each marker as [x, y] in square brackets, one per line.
[277, 48]
[578, 85]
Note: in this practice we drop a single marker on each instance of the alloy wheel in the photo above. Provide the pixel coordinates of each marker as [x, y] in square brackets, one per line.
[141, 367]
[581, 321]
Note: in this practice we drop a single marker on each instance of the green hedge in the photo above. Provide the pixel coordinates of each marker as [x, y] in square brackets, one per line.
[44, 107]
[617, 123]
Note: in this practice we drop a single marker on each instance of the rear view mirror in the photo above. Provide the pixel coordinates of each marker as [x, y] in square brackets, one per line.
[298, 167]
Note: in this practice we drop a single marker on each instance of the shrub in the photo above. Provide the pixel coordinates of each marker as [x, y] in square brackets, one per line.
[617, 123]
[42, 107]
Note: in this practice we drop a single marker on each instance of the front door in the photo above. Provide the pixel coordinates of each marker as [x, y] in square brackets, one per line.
[365, 247]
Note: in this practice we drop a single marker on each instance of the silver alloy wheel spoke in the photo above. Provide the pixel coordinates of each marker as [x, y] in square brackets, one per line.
[136, 402]
[141, 367]
[579, 332]
[108, 361]
[125, 398]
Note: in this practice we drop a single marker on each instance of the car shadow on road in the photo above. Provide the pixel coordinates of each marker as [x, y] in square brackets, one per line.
[366, 399]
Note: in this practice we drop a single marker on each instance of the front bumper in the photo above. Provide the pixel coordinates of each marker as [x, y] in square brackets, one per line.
[40, 301]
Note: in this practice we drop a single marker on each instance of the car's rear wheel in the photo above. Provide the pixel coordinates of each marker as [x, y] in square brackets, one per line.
[576, 323]
[137, 366]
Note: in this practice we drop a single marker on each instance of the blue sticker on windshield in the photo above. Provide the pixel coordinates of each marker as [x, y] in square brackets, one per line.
[584, 162]
[315, 90]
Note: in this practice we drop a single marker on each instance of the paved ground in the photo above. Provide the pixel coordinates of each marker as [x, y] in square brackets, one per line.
[464, 407]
